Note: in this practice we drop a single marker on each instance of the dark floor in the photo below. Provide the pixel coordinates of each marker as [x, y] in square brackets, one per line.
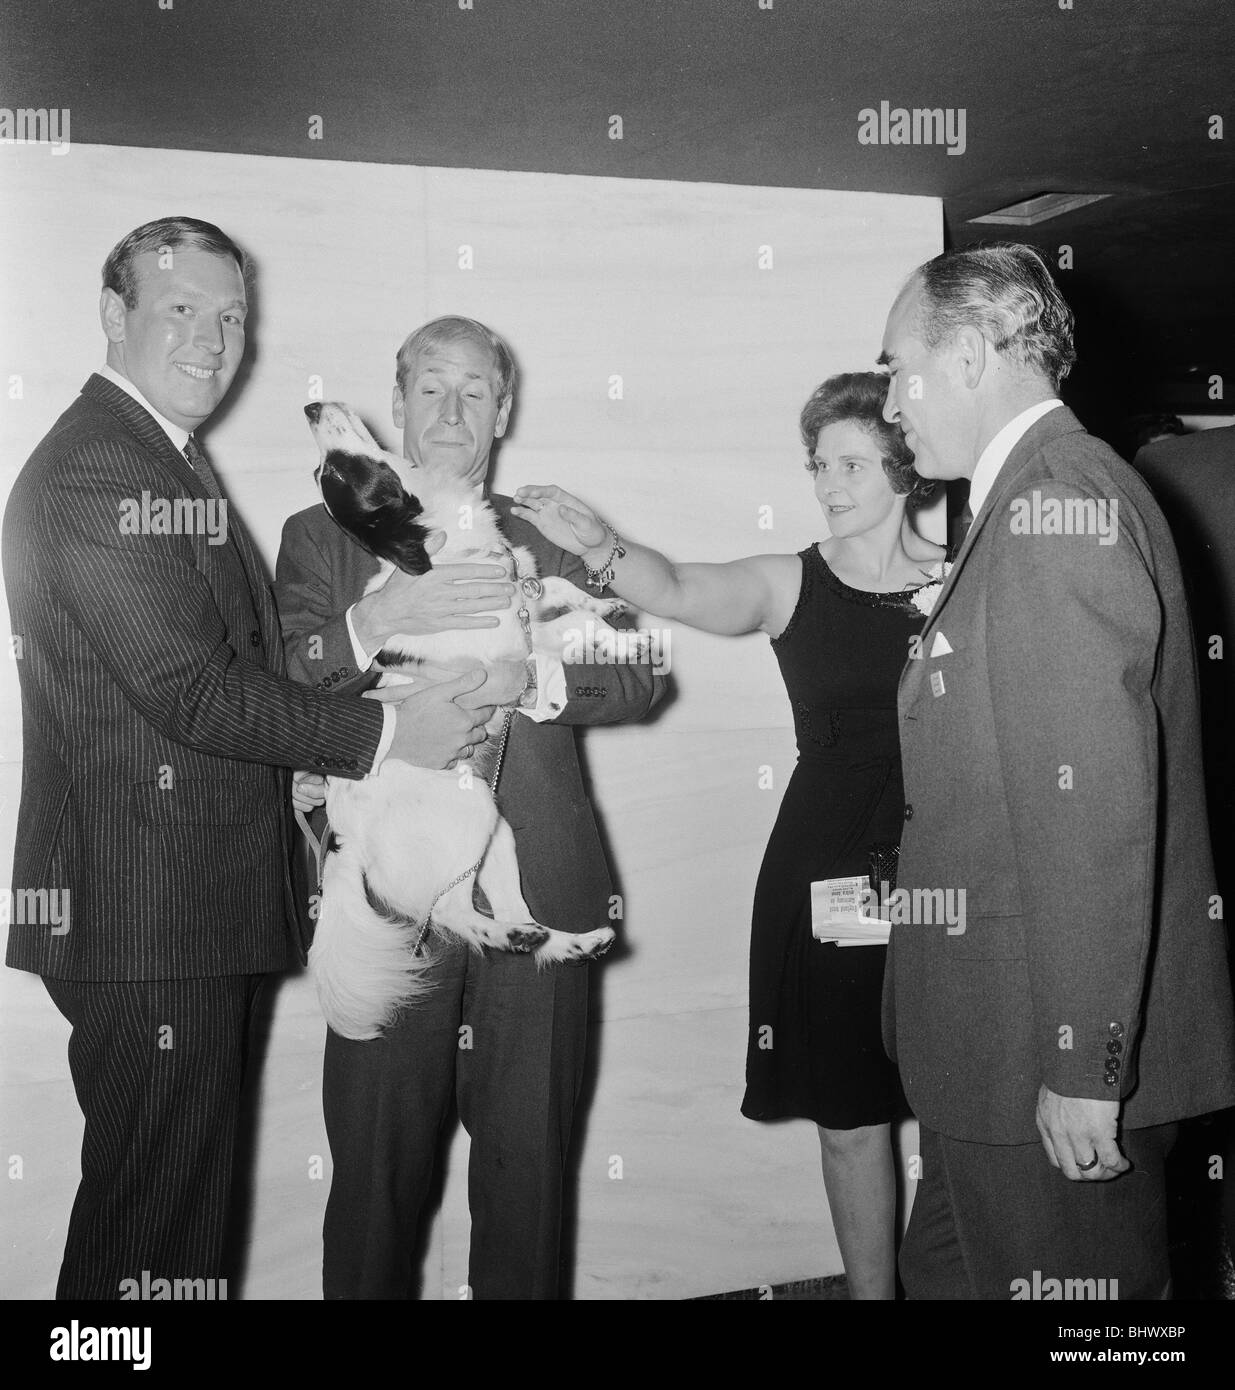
[1202, 1267]
[833, 1286]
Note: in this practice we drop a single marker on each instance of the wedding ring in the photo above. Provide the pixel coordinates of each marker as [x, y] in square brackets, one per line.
[1088, 1167]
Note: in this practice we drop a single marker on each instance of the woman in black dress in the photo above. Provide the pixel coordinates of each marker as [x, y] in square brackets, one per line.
[840, 615]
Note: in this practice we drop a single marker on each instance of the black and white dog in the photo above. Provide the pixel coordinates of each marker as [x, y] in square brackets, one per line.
[410, 844]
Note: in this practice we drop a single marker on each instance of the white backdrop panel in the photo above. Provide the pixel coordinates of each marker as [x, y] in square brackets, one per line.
[590, 279]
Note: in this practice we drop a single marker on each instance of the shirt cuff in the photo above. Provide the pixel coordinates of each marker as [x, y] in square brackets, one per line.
[363, 659]
[550, 690]
[387, 738]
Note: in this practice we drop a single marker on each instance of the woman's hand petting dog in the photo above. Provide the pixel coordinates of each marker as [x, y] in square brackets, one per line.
[449, 596]
[308, 790]
[431, 729]
[561, 518]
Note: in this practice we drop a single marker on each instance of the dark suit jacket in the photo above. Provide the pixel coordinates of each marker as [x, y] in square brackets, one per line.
[1089, 960]
[1193, 479]
[321, 572]
[156, 717]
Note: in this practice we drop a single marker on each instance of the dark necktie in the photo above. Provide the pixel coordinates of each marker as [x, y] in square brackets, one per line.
[201, 466]
[233, 531]
[963, 522]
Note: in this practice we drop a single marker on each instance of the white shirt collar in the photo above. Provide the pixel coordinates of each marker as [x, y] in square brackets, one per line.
[995, 455]
[177, 436]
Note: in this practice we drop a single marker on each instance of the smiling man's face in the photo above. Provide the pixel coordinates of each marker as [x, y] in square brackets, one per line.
[450, 412]
[183, 341]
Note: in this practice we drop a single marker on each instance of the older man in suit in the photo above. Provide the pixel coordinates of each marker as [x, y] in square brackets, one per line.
[157, 730]
[503, 1037]
[1050, 1036]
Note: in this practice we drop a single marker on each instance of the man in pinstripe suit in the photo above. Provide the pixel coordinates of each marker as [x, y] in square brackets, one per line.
[158, 727]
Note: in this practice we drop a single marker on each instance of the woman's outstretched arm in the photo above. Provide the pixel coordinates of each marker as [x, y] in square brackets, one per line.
[745, 595]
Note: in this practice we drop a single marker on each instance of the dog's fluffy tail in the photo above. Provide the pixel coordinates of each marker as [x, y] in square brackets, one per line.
[361, 959]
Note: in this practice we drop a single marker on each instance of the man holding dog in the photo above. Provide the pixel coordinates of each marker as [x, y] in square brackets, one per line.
[1051, 749]
[501, 1037]
[158, 728]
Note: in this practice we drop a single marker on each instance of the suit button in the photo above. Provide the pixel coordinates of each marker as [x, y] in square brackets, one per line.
[1110, 1079]
[1114, 1048]
[255, 638]
[1117, 1030]
[908, 810]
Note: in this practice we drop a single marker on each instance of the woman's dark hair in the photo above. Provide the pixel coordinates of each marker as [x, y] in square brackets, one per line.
[859, 397]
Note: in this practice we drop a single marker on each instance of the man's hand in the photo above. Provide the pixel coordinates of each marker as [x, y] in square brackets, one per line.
[1075, 1130]
[505, 683]
[561, 518]
[308, 790]
[448, 596]
[431, 730]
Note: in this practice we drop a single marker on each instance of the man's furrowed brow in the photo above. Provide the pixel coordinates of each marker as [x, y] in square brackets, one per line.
[486, 377]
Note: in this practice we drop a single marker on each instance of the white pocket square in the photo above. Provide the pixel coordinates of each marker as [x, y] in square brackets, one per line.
[940, 646]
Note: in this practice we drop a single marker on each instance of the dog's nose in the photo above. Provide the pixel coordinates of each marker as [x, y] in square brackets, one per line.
[313, 412]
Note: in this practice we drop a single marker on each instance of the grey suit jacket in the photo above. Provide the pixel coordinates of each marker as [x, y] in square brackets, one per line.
[1193, 480]
[1052, 769]
[321, 572]
[156, 719]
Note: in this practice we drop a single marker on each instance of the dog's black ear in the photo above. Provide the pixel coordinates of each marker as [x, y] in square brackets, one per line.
[405, 540]
[375, 510]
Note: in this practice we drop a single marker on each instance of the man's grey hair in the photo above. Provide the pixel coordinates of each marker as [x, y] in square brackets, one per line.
[1007, 293]
[451, 329]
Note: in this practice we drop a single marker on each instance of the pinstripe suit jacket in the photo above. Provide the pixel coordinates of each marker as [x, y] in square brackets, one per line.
[157, 720]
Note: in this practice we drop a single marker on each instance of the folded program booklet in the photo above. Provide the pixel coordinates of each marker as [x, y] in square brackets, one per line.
[839, 912]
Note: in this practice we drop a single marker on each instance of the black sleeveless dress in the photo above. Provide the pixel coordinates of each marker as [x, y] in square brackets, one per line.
[841, 657]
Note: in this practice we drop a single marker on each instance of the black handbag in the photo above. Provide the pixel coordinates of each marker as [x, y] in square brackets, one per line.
[884, 860]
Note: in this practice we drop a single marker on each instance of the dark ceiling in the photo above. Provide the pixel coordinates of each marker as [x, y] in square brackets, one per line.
[1107, 96]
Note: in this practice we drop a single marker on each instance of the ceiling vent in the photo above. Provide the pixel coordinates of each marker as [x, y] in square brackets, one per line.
[1030, 211]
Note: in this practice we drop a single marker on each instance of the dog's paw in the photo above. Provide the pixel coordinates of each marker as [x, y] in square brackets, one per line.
[524, 939]
[602, 947]
[606, 607]
[591, 945]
